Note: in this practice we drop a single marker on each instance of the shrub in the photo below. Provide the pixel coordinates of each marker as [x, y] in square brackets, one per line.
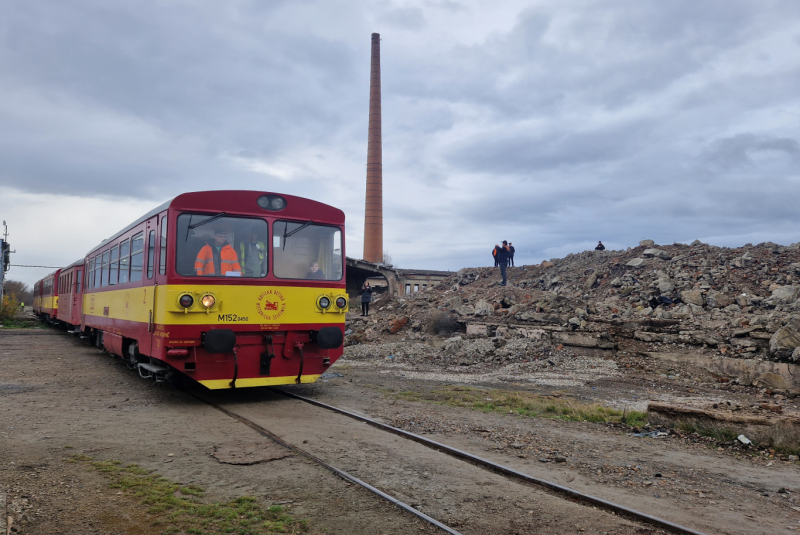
[9, 308]
[440, 322]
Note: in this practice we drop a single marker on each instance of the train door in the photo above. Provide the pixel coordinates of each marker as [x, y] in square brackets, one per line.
[157, 250]
[55, 294]
[148, 282]
[77, 297]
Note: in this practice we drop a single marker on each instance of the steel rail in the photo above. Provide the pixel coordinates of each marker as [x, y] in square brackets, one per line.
[555, 487]
[341, 473]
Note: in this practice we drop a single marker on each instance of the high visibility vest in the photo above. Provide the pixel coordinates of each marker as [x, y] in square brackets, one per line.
[243, 249]
[204, 265]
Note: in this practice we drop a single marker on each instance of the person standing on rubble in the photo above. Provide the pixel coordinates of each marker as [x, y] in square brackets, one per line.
[511, 252]
[502, 260]
[366, 297]
[495, 252]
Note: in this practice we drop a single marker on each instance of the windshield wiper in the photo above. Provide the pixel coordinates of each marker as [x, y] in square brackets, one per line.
[295, 231]
[209, 220]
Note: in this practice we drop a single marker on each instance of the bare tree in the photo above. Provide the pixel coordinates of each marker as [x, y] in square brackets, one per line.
[387, 259]
[20, 290]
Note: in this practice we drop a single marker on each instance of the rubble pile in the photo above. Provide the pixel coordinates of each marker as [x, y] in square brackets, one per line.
[741, 303]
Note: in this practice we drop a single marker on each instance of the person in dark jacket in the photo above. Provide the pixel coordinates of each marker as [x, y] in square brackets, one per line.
[366, 297]
[314, 272]
[511, 251]
[495, 252]
[502, 260]
[600, 246]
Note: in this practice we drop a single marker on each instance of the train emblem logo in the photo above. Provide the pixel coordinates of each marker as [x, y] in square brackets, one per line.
[271, 304]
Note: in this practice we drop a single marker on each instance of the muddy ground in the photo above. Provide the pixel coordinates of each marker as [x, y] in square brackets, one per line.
[59, 397]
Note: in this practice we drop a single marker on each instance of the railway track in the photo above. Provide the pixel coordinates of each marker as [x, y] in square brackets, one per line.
[508, 473]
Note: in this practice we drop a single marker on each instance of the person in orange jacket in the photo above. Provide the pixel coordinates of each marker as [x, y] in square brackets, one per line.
[219, 259]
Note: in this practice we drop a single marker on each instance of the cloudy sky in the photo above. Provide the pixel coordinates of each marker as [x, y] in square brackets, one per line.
[551, 124]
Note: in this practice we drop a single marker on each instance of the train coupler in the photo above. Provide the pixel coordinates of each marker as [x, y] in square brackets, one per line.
[153, 371]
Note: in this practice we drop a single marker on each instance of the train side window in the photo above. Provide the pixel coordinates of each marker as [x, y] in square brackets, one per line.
[137, 251]
[78, 280]
[162, 255]
[104, 273]
[114, 273]
[124, 261]
[151, 253]
[97, 263]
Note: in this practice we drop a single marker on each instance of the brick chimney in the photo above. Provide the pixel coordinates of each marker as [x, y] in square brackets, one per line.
[373, 213]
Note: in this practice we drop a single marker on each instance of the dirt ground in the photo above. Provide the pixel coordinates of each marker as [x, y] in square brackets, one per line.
[59, 397]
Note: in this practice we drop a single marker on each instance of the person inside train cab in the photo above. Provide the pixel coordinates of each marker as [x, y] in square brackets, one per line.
[314, 272]
[219, 258]
[253, 255]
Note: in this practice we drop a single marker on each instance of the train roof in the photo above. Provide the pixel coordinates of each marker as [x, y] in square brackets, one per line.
[76, 263]
[230, 201]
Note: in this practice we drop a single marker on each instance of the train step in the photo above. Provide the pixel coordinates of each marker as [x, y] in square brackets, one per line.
[153, 371]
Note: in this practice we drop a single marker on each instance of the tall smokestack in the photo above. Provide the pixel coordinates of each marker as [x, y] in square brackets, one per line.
[373, 220]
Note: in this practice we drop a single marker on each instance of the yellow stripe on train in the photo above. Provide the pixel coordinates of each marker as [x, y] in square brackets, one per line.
[241, 305]
[217, 384]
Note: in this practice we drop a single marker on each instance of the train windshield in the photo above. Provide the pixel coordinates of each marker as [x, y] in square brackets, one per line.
[221, 246]
[304, 250]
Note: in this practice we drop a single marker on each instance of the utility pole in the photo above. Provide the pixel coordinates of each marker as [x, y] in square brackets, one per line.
[5, 260]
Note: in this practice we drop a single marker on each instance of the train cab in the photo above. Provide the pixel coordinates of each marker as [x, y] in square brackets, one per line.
[231, 288]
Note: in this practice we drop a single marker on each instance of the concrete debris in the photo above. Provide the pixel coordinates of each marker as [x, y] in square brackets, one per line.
[741, 303]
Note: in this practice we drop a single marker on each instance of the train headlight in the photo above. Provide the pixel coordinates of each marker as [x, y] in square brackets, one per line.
[341, 302]
[186, 300]
[208, 301]
[324, 303]
[272, 203]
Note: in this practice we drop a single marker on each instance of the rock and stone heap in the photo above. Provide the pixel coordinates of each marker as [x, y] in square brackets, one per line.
[726, 304]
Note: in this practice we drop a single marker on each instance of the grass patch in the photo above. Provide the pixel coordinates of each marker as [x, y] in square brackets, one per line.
[718, 433]
[525, 404]
[178, 510]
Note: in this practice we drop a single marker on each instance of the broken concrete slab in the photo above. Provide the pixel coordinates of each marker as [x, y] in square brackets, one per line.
[769, 428]
[783, 343]
[582, 340]
[783, 375]
[477, 329]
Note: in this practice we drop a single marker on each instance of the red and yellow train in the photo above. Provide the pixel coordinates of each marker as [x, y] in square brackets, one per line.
[231, 288]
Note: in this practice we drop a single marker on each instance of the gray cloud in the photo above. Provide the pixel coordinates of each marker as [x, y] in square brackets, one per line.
[554, 124]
